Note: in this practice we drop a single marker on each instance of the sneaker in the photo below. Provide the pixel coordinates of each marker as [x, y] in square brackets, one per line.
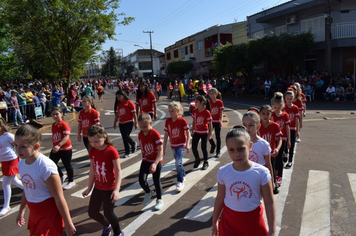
[275, 190]
[64, 177]
[279, 180]
[159, 204]
[147, 198]
[126, 156]
[134, 148]
[106, 231]
[289, 165]
[205, 165]
[212, 149]
[179, 186]
[285, 157]
[184, 179]
[218, 155]
[297, 140]
[197, 162]
[69, 186]
[121, 234]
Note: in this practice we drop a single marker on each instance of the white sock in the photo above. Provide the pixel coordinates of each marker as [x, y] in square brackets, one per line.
[17, 182]
[6, 186]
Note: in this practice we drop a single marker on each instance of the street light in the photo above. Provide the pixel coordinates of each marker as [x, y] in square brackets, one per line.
[136, 45]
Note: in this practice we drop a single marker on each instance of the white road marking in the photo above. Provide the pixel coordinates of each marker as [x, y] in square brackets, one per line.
[352, 180]
[169, 197]
[316, 212]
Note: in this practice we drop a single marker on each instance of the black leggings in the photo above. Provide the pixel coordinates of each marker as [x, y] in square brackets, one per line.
[217, 128]
[273, 163]
[102, 197]
[196, 138]
[86, 142]
[293, 134]
[142, 178]
[125, 130]
[66, 157]
[279, 159]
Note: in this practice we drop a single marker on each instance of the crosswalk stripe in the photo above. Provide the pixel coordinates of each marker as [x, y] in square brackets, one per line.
[316, 212]
[135, 188]
[169, 197]
[352, 180]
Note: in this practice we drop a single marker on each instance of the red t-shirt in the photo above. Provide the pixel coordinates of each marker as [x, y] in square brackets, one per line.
[270, 133]
[299, 104]
[215, 109]
[125, 111]
[304, 99]
[190, 86]
[88, 119]
[282, 120]
[170, 87]
[103, 167]
[146, 103]
[293, 113]
[149, 145]
[58, 132]
[201, 121]
[176, 132]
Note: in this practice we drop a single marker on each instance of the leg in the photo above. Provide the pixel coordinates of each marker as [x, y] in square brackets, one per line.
[217, 135]
[157, 180]
[66, 157]
[125, 134]
[178, 154]
[279, 160]
[86, 142]
[292, 140]
[14, 116]
[95, 203]
[109, 214]
[19, 115]
[204, 149]
[142, 178]
[55, 158]
[195, 142]
[6, 186]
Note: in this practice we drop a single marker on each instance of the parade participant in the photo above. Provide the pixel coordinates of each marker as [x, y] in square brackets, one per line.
[303, 98]
[43, 192]
[146, 101]
[282, 119]
[261, 150]
[192, 103]
[87, 117]
[202, 129]
[298, 102]
[271, 132]
[216, 110]
[126, 115]
[177, 129]
[105, 175]
[293, 112]
[152, 156]
[9, 162]
[190, 90]
[62, 146]
[241, 186]
[100, 91]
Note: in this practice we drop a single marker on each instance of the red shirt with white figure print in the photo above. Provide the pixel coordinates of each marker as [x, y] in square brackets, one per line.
[149, 145]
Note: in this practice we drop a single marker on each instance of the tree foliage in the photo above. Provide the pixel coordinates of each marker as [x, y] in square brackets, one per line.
[68, 32]
[111, 62]
[180, 67]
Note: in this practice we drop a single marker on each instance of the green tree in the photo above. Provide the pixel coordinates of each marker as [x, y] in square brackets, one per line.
[70, 31]
[180, 68]
[111, 62]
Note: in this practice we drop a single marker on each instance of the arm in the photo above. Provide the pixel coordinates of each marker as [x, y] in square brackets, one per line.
[221, 117]
[20, 220]
[61, 143]
[288, 136]
[278, 147]
[297, 125]
[300, 120]
[193, 127]
[187, 147]
[54, 184]
[165, 142]
[270, 207]
[218, 207]
[135, 119]
[269, 164]
[117, 167]
[91, 179]
[115, 120]
[158, 158]
[155, 110]
[210, 130]
[79, 131]
[137, 110]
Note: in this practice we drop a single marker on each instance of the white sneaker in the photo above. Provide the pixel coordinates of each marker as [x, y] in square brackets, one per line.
[159, 204]
[64, 177]
[184, 179]
[69, 185]
[179, 186]
[147, 198]
[298, 140]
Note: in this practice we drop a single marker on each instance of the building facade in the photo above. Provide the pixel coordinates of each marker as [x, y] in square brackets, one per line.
[92, 71]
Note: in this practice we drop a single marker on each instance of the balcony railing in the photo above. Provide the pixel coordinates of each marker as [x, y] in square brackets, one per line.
[343, 30]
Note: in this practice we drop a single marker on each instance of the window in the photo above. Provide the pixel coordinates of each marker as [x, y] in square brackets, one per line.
[258, 34]
[175, 53]
[280, 30]
[200, 45]
[169, 56]
[316, 26]
[191, 48]
[186, 50]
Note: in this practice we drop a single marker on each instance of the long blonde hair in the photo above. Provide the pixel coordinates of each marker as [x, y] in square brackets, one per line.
[177, 106]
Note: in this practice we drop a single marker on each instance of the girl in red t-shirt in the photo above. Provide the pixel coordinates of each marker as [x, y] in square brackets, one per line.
[105, 176]
[298, 102]
[282, 119]
[62, 146]
[177, 129]
[146, 101]
[216, 110]
[271, 132]
[202, 129]
[87, 117]
[169, 90]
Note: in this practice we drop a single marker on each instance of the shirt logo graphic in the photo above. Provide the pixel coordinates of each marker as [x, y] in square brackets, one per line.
[149, 149]
[85, 123]
[241, 190]
[144, 102]
[215, 110]
[122, 111]
[175, 133]
[28, 182]
[200, 120]
[56, 137]
[253, 157]
[267, 137]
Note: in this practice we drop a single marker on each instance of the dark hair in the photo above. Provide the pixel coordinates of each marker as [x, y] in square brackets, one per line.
[99, 130]
[139, 94]
[266, 107]
[120, 92]
[202, 99]
[30, 133]
[56, 109]
[238, 131]
[90, 98]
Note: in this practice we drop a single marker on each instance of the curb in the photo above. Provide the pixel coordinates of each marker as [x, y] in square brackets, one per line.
[49, 127]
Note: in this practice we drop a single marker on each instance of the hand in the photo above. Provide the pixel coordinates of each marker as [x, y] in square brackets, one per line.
[209, 136]
[164, 151]
[153, 168]
[187, 148]
[220, 124]
[215, 229]
[300, 126]
[289, 145]
[155, 116]
[56, 149]
[192, 133]
[114, 125]
[114, 196]
[86, 192]
[136, 126]
[20, 220]
[69, 229]
[274, 153]
[304, 114]
[79, 138]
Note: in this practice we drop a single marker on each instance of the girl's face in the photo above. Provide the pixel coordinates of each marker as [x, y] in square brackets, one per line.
[145, 126]
[289, 99]
[212, 95]
[86, 103]
[173, 112]
[142, 88]
[238, 150]
[97, 142]
[198, 104]
[120, 98]
[24, 148]
[57, 116]
[265, 115]
[250, 124]
[277, 107]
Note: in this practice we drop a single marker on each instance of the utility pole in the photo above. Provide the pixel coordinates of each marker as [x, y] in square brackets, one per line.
[150, 32]
[328, 20]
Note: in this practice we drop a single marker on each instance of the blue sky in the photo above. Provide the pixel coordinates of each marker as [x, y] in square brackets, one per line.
[173, 20]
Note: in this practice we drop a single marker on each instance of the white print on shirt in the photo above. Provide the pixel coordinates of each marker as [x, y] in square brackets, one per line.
[28, 182]
[149, 149]
[122, 111]
[280, 123]
[267, 137]
[291, 116]
[56, 137]
[103, 173]
[144, 102]
[85, 123]
[200, 120]
[215, 110]
[97, 171]
[175, 132]
[241, 189]
[100, 173]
